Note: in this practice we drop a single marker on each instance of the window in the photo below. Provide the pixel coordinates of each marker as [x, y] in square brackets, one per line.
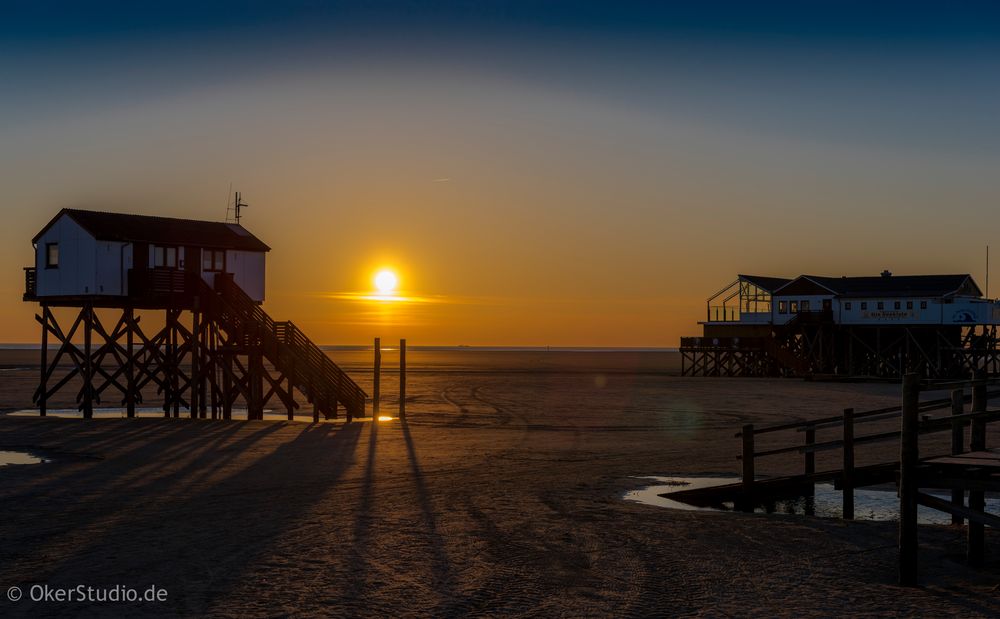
[864, 305]
[847, 306]
[782, 307]
[909, 305]
[896, 305]
[213, 260]
[923, 305]
[164, 257]
[794, 307]
[52, 255]
[804, 306]
[881, 305]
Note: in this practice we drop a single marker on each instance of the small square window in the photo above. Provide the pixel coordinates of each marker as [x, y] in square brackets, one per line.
[896, 305]
[782, 307]
[909, 305]
[794, 307]
[923, 305]
[804, 306]
[847, 306]
[52, 255]
[881, 305]
[864, 305]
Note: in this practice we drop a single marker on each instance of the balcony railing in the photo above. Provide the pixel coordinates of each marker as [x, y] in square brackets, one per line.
[738, 343]
[30, 283]
[723, 313]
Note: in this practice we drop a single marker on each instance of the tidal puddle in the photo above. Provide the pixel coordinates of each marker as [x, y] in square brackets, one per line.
[873, 503]
[151, 412]
[10, 457]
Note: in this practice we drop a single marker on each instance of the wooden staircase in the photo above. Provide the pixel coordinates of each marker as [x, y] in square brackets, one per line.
[303, 364]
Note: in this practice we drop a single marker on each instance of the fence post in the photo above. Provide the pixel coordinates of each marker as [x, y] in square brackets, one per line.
[810, 468]
[748, 467]
[957, 447]
[848, 472]
[402, 378]
[909, 456]
[977, 500]
[378, 376]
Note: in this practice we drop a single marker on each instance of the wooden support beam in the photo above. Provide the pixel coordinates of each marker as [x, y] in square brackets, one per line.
[748, 468]
[848, 465]
[957, 440]
[377, 377]
[402, 378]
[44, 364]
[88, 373]
[909, 457]
[975, 550]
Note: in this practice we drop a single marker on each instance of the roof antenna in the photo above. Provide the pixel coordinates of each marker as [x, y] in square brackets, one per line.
[987, 271]
[237, 205]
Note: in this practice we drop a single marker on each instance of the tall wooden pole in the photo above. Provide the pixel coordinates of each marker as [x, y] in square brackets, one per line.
[130, 362]
[848, 471]
[909, 456]
[46, 316]
[88, 363]
[977, 500]
[957, 447]
[748, 468]
[402, 378]
[378, 376]
[195, 383]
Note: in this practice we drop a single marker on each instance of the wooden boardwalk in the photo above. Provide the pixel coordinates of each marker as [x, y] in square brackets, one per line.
[968, 467]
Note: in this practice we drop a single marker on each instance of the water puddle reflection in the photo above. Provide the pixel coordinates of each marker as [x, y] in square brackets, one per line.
[874, 503]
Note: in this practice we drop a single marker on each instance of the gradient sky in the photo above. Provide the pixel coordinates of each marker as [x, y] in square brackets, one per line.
[551, 173]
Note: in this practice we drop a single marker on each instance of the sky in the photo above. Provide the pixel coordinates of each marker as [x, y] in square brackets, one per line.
[537, 173]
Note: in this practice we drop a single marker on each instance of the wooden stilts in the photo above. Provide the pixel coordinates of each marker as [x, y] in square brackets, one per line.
[130, 395]
[44, 364]
[88, 371]
[195, 360]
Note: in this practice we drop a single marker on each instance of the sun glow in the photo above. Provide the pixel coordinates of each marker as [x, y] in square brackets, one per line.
[386, 282]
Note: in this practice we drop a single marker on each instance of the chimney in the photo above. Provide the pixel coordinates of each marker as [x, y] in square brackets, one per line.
[887, 273]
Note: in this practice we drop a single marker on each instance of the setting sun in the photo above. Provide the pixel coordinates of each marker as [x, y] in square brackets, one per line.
[386, 281]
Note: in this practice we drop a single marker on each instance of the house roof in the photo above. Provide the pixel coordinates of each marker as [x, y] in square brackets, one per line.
[893, 285]
[161, 230]
[770, 284]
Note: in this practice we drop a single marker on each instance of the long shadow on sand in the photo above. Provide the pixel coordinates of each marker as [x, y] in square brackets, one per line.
[204, 543]
[440, 565]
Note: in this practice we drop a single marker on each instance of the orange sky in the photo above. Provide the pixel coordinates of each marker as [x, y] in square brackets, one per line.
[573, 192]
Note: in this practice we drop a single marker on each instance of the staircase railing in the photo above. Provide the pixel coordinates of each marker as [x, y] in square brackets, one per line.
[290, 351]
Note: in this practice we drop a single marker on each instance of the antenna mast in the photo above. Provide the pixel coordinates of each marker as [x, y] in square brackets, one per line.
[237, 205]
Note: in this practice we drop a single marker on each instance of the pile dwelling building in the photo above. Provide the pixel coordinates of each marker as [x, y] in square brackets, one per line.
[940, 326]
[131, 305]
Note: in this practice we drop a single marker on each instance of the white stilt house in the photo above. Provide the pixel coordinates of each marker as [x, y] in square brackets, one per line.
[114, 257]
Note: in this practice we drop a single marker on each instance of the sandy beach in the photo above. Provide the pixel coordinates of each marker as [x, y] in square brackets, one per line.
[499, 494]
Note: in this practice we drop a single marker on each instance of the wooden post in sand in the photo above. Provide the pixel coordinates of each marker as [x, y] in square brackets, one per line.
[977, 500]
[957, 447]
[378, 376]
[402, 378]
[909, 456]
[748, 468]
[848, 471]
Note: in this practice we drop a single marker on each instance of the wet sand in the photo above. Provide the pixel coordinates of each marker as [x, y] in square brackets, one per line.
[501, 494]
